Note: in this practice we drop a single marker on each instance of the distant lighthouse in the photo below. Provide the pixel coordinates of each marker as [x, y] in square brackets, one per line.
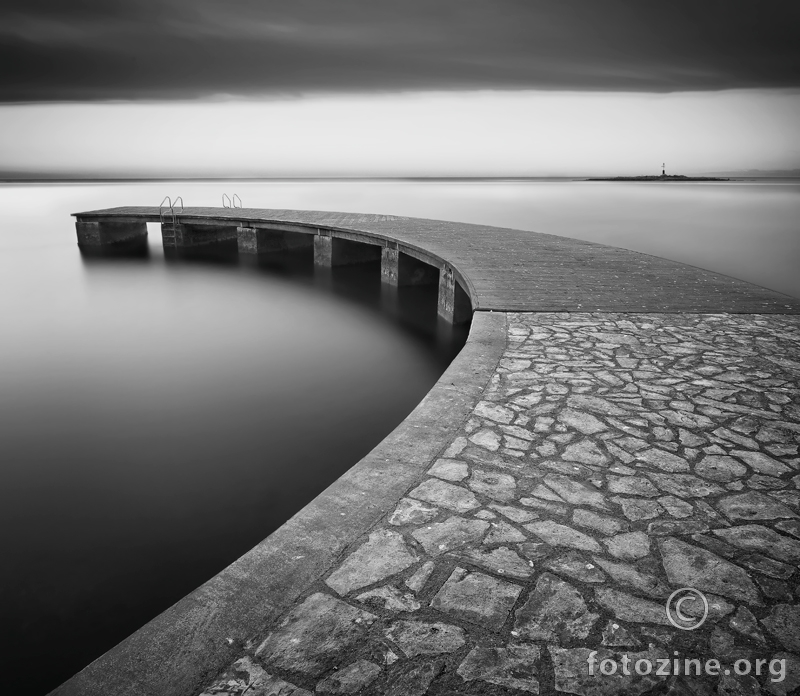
[663, 169]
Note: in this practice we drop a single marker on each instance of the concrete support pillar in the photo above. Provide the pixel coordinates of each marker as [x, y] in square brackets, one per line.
[104, 232]
[323, 251]
[331, 251]
[399, 269]
[181, 234]
[454, 305]
[252, 240]
[390, 266]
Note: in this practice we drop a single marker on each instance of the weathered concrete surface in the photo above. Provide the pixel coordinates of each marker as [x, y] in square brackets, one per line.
[514, 270]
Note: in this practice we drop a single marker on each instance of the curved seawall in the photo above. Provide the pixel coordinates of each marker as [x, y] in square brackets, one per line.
[617, 426]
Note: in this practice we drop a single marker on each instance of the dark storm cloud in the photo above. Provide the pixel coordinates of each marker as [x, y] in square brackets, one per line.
[140, 49]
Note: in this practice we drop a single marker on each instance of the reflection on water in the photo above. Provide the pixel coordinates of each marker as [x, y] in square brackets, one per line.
[160, 415]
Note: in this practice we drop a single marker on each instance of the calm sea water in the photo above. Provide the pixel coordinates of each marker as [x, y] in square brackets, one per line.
[158, 418]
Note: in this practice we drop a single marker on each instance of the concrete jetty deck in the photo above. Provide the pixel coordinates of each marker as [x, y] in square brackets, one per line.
[617, 427]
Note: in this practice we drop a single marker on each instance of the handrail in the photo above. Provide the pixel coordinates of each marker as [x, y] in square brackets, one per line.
[224, 196]
[236, 198]
[231, 203]
[171, 207]
[161, 208]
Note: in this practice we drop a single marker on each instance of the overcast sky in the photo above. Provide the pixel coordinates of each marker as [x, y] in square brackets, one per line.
[521, 66]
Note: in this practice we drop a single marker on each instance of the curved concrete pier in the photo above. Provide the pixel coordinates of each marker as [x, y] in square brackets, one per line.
[617, 426]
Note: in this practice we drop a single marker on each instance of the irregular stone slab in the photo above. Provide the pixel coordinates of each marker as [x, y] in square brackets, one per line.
[676, 507]
[502, 561]
[747, 624]
[626, 574]
[596, 404]
[636, 509]
[783, 622]
[488, 439]
[575, 492]
[792, 679]
[560, 535]
[314, 635]
[631, 485]
[477, 598]
[753, 506]
[685, 485]
[542, 491]
[535, 550]
[514, 667]
[762, 463]
[687, 420]
[513, 513]
[493, 484]
[690, 566]
[583, 422]
[421, 638]
[586, 452]
[676, 527]
[756, 537]
[573, 565]
[410, 511]
[629, 547]
[445, 495]
[417, 581]
[765, 483]
[602, 523]
[449, 470]
[503, 533]
[389, 598]
[442, 537]
[666, 461]
[689, 439]
[350, 679]
[412, 679]
[383, 555]
[545, 506]
[762, 564]
[495, 412]
[738, 685]
[245, 676]
[722, 469]
[555, 610]
[626, 607]
[790, 527]
[617, 636]
[571, 667]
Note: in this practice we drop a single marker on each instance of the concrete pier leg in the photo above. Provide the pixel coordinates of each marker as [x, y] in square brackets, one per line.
[331, 251]
[255, 241]
[399, 269]
[454, 305]
[102, 232]
[390, 266]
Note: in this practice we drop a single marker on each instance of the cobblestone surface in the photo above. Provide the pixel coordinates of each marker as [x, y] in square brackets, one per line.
[613, 459]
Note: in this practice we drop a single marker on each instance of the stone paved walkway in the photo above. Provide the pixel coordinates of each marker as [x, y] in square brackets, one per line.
[613, 459]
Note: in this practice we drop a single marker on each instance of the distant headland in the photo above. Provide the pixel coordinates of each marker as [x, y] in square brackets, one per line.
[662, 177]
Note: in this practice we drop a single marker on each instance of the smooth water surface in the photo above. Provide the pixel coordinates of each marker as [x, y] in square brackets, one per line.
[158, 418]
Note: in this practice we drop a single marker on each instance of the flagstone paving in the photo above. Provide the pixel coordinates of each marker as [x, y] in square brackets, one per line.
[613, 459]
